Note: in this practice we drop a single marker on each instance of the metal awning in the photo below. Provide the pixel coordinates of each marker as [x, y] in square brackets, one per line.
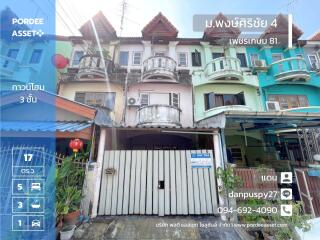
[31, 126]
[260, 120]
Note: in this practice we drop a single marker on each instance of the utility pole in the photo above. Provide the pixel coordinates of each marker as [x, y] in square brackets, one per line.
[125, 92]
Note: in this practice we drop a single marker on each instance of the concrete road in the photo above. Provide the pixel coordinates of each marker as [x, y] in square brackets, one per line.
[153, 227]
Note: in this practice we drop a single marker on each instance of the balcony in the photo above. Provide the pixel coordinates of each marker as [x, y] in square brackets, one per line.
[292, 69]
[157, 114]
[93, 67]
[159, 68]
[218, 110]
[223, 68]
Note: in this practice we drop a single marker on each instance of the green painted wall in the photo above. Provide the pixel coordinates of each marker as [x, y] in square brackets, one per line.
[250, 94]
[64, 48]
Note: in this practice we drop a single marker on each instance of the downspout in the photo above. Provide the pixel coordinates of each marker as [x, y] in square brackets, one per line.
[125, 105]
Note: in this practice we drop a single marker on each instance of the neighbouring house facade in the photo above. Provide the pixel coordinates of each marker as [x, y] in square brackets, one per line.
[172, 98]
[23, 60]
[90, 78]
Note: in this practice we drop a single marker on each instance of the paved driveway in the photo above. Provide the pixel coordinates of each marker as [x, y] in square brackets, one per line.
[146, 227]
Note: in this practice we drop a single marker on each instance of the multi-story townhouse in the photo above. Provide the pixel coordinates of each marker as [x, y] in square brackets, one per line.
[225, 82]
[263, 94]
[312, 54]
[90, 78]
[158, 90]
[145, 83]
[161, 117]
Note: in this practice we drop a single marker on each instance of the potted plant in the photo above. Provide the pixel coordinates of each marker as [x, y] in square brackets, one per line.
[69, 181]
[72, 200]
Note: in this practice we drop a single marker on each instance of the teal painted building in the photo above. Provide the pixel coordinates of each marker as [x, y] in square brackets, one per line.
[285, 77]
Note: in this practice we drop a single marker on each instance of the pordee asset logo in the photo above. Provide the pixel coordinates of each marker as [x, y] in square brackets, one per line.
[27, 32]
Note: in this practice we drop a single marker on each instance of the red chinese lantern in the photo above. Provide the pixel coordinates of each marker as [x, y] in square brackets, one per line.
[76, 145]
[59, 61]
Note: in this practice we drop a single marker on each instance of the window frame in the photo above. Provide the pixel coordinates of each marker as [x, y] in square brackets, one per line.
[148, 98]
[245, 59]
[113, 94]
[193, 63]
[171, 96]
[73, 56]
[133, 58]
[251, 58]
[127, 64]
[222, 55]
[223, 95]
[159, 54]
[317, 60]
[31, 61]
[186, 59]
[13, 50]
[287, 97]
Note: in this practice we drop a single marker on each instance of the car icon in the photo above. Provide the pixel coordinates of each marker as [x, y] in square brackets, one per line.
[35, 186]
[35, 223]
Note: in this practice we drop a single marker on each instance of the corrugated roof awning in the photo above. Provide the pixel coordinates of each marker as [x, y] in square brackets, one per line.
[30, 126]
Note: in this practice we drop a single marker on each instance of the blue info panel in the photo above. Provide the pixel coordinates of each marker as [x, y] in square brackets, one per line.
[28, 87]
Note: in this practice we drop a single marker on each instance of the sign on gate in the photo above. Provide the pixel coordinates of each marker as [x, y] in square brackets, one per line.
[201, 160]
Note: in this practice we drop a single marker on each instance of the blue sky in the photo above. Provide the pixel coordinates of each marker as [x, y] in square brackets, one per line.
[71, 14]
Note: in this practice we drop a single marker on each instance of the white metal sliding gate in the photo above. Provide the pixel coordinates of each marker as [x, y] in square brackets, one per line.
[157, 182]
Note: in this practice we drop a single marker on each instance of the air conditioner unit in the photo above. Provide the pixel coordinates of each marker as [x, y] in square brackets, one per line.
[273, 106]
[259, 63]
[133, 102]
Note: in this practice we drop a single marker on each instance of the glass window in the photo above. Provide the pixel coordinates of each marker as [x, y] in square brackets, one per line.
[243, 59]
[254, 57]
[124, 56]
[196, 59]
[229, 99]
[216, 100]
[100, 99]
[290, 101]
[12, 53]
[159, 54]
[182, 59]
[217, 55]
[313, 61]
[209, 101]
[144, 99]
[137, 56]
[36, 56]
[174, 99]
[76, 57]
[303, 101]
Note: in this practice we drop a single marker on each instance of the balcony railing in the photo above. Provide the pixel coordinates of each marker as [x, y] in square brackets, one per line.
[92, 66]
[163, 68]
[8, 66]
[294, 69]
[158, 114]
[223, 68]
